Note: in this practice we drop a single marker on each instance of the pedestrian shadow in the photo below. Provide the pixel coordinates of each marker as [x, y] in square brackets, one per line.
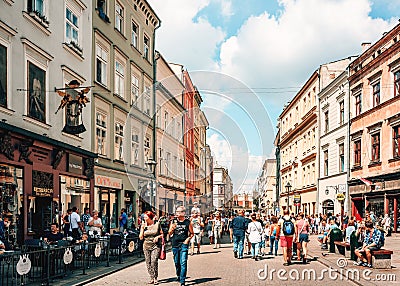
[202, 280]
[208, 252]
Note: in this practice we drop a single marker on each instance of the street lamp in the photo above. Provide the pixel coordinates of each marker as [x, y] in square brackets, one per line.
[151, 164]
[288, 188]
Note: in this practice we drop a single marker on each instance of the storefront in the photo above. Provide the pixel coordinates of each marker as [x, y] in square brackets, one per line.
[381, 198]
[108, 192]
[32, 169]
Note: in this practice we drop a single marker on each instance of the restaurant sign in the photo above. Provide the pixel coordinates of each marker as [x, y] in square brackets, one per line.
[42, 184]
[108, 182]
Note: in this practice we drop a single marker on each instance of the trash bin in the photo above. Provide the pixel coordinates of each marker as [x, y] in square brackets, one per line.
[335, 235]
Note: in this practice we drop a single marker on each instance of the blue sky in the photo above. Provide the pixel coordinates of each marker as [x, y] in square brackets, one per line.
[265, 50]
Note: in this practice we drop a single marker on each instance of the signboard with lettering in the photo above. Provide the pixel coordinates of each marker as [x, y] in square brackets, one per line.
[75, 164]
[340, 197]
[109, 182]
[297, 200]
[42, 184]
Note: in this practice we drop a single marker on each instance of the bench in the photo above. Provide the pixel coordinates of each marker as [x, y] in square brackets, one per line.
[382, 259]
[343, 248]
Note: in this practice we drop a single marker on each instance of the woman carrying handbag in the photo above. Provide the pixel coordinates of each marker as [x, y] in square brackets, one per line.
[152, 234]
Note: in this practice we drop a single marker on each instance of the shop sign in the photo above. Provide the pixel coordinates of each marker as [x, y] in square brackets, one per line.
[340, 197]
[24, 264]
[42, 184]
[109, 182]
[75, 164]
[42, 192]
[297, 200]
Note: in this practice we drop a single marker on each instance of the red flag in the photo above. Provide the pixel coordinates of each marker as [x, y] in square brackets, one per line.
[367, 182]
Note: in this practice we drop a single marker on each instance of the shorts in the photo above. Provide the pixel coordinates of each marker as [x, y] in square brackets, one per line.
[286, 241]
[303, 237]
[370, 248]
[196, 238]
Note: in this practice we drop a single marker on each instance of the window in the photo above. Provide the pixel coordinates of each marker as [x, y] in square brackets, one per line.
[376, 94]
[102, 8]
[135, 32]
[326, 122]
[135, 90]
[3, 76]
[119, 17]
[357, 153]
[165, 120]
[119, 138]
[101, 64]
[135, 147]
[358, 104]
[397, 83]
[36, 92]
[147, 101]
[146, 147]
[36, 5]
[119, 79]
[375, 147]
[326, 163]
[101, 131]
[396, 141]
[71, 27]
[341, 112]
[168, 163]
[341, 157]
[146, 48]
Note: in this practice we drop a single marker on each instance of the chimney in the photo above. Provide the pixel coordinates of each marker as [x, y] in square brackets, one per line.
[365, 46]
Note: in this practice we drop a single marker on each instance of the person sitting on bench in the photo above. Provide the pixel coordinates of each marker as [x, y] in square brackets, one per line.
[372, 241]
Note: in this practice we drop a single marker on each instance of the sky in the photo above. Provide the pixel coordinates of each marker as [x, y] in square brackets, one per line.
[249, 58]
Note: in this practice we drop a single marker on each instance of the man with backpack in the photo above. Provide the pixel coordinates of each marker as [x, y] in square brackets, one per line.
[286, 231]
[374, 240]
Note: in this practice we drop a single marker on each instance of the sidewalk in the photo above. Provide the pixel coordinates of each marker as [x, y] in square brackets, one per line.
[330, 260]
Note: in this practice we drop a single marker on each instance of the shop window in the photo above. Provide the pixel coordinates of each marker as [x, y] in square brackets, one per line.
[108, 209]
[11, 205]
[75, 192]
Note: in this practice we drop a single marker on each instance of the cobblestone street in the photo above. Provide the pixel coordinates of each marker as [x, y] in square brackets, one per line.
[219, 267]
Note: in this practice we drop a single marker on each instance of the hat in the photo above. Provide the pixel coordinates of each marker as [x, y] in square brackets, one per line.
[246, 213]
[74, 82]
[195, 203]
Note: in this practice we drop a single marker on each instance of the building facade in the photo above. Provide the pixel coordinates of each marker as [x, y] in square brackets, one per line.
[43, 170]
[170, 146]
[333, 110]
[123, 66]
[267, 187]
[298, 144]
[374, 81]
[222, 188]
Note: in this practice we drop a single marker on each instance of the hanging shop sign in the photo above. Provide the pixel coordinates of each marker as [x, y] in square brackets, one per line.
[340, 197]
[73, 99]
[297, 200]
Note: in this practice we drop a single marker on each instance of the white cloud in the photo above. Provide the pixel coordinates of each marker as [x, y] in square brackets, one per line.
[183, 41]
[284, 51]
[226, 8]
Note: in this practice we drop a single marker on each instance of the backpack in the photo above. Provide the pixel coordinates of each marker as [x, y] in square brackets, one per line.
[288, 227]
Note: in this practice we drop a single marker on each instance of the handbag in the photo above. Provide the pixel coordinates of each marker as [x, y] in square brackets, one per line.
[163, 254]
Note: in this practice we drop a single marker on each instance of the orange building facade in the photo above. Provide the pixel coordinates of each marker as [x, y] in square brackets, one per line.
[374, 183]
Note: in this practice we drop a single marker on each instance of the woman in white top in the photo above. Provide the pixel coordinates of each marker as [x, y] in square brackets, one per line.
[218, 224]
[255, 231]
[95, 224]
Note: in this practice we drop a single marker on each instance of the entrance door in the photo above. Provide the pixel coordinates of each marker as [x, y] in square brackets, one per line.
[42, 215]
[328, 207]
[108, 209]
